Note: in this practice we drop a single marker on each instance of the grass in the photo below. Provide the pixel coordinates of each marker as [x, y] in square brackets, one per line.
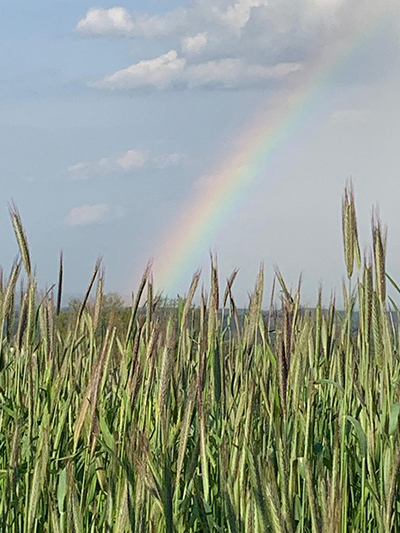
[194, 419]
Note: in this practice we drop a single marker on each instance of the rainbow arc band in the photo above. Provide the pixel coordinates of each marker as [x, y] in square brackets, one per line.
[207, 209]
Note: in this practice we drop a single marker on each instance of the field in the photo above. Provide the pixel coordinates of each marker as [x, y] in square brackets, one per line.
[194, 418]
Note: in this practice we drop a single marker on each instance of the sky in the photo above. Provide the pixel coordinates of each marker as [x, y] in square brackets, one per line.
[114, 117]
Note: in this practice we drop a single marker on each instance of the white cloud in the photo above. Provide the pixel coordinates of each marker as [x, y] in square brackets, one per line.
[233, 73]
[160, 72]
[195, 44]
[170, 71]
[167, 160]
[207, 16]
[85, 215]
[238, 15]
[118, 21]
[84, 171]
[232, 43]
[131, 160]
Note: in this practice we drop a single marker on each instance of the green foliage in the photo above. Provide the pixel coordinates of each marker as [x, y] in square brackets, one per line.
[163, 416]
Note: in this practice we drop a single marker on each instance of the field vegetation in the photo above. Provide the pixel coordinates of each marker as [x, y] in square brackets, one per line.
[195, 418]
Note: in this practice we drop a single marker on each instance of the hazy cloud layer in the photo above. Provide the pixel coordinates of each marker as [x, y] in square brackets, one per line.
[122, 162]
[88, 214]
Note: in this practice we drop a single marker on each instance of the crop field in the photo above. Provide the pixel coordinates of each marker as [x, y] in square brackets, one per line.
[199, 418]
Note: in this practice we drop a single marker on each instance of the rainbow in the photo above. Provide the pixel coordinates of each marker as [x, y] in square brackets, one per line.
[204, 213]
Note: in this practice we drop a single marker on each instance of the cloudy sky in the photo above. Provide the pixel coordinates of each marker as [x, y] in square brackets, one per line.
[114, 116]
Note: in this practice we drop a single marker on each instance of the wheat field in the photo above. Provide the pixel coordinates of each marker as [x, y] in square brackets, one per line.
[201, 418]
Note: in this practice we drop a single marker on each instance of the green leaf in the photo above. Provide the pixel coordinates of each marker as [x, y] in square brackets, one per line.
[362, 439]
[394, 418]
[62, 490]
[330, 382]
[108, 438]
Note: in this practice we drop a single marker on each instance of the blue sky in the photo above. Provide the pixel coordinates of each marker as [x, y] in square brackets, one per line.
[111, 114]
